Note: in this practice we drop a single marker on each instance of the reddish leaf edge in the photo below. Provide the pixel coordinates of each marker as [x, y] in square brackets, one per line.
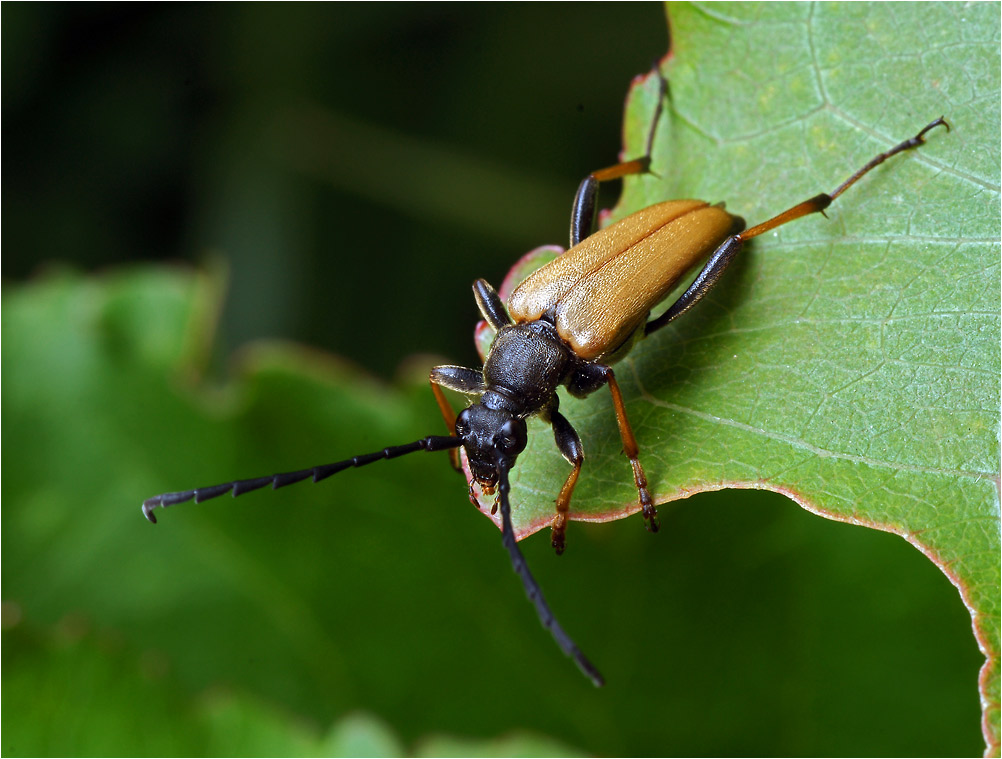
[988, 671]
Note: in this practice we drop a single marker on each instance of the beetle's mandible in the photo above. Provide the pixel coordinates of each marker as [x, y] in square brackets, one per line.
[565, 325]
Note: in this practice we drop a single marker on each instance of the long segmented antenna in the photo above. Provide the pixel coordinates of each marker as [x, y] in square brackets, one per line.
[532, 589]
[430, 443]
[317, 473]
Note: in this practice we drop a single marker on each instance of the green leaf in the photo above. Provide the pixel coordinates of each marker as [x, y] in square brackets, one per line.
[383, 591]
[382, 583]
[849, 362]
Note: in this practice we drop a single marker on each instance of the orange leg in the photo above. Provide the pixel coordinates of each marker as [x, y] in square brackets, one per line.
[569, 445]
[729, 248]
[559, 530]
[819, 203]
[450, 421]
[632, 452]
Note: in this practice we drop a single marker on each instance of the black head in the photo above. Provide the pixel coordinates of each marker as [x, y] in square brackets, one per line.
[492, 438]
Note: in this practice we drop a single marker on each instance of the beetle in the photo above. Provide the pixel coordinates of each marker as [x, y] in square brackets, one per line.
[565, 326]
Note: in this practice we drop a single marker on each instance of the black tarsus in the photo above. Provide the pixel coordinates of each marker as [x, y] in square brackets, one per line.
[908, 144]
[714, 268]
[664, 93]
[532, 589]
[317, 473]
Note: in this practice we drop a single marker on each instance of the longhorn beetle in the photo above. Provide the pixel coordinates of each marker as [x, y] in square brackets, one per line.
[565, 325]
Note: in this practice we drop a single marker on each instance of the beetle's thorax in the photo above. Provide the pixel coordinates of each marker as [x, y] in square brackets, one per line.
[526, 364]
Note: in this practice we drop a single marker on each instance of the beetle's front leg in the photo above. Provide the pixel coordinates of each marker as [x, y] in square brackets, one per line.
[586, 380]
[462, 380]
[571, 449]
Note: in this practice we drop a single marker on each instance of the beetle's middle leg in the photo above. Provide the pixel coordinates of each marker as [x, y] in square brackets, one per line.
[586, 380]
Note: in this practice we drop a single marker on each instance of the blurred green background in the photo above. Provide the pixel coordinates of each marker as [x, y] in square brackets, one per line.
[283, 149]
[300, 143]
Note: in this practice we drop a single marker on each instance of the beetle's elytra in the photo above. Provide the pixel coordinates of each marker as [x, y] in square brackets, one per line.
[565, 325]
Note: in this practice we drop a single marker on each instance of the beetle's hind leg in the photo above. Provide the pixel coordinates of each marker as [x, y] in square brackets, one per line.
[708, 276]
[586, 199]
[729, 248]
[819, 203]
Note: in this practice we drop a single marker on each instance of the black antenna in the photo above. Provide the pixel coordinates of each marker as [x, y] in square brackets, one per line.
[317, 473]
[532, 589]
[430, 443]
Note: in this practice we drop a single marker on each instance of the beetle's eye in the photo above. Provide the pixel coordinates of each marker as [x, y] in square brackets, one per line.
[511, 436]
[462, 424]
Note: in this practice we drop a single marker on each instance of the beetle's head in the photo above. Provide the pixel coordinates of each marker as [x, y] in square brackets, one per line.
[492, 438]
